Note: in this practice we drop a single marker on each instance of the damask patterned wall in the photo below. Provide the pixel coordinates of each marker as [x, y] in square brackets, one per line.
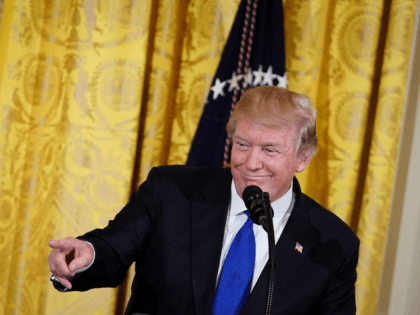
[93, 93]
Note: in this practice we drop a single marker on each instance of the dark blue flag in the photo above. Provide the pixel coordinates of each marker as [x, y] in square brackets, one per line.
[253, 55]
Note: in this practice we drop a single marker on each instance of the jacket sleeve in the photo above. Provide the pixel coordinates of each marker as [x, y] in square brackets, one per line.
[122, 241]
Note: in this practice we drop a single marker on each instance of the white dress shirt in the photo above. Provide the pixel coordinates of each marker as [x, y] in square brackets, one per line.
[236, 217]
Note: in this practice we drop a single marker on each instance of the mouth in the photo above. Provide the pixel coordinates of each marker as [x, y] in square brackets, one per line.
[254, 177]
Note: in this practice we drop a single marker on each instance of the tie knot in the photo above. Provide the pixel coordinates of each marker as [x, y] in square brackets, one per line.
[248, 219]
[248, 223]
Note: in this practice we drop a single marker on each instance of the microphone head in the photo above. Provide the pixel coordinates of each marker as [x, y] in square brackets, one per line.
[250, 194]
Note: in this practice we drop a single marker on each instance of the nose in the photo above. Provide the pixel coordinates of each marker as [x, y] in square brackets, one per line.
[253, 161]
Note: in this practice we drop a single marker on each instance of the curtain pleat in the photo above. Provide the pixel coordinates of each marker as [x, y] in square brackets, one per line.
[352, 59]
[380, 165]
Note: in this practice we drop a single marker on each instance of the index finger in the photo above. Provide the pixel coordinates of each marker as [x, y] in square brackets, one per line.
[64, 244]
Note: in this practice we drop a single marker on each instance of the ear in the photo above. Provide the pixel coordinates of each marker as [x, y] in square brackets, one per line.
[303, 161]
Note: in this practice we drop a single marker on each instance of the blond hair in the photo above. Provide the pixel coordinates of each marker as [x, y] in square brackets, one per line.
[278, 108]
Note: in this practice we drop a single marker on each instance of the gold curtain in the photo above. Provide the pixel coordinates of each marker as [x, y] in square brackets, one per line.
[93, 93]
[352, 59]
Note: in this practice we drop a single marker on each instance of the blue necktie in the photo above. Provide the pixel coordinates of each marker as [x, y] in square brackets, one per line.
[235, 280]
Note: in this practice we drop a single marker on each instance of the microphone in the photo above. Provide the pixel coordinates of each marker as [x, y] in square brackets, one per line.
[256, 201]
[258, 204]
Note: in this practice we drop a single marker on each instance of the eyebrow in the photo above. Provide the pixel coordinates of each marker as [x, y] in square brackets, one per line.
[266, 144]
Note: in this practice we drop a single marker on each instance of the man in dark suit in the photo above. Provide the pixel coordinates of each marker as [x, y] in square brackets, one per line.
[180, 225]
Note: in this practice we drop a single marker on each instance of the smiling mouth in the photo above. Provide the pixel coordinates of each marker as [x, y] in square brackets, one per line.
[254, 177]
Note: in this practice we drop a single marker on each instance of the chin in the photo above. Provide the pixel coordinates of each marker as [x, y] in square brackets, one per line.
[252, 183]
[257, 181]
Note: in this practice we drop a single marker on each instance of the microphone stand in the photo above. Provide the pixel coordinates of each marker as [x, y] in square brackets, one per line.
[267, 223]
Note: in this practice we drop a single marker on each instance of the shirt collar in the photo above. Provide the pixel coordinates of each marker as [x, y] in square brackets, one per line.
[279, 206]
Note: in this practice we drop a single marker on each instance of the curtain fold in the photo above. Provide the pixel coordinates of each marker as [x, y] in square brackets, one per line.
[93, 93]
[380, 164]
[352, 59]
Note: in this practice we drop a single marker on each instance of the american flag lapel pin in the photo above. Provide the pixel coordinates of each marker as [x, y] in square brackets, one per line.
[299, 247]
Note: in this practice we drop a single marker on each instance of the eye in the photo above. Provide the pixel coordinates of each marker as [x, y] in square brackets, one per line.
[241, 145]
[270, 151]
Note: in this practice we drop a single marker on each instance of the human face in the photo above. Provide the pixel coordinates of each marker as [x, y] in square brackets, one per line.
[265, 157]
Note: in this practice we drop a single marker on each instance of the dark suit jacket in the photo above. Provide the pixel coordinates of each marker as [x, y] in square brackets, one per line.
[173, 229]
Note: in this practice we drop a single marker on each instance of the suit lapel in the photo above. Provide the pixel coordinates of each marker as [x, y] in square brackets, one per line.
[209, 211]
[289, 260]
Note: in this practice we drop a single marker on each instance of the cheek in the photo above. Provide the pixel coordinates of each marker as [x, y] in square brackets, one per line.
[283, 174]
[282, 167]
[236, 156]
